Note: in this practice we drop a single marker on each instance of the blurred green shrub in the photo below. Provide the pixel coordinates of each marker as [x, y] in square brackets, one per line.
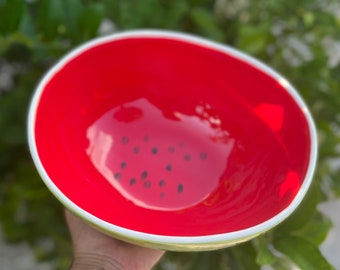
[290, 36]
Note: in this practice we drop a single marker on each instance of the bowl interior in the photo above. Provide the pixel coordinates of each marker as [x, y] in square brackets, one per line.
[171, 137]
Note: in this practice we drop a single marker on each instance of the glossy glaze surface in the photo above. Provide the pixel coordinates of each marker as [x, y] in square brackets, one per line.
[171, 138]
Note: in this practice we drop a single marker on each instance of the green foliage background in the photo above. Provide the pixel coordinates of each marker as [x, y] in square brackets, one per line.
[288, 35]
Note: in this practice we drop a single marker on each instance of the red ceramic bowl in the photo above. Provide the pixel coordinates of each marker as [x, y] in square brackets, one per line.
[171, 141]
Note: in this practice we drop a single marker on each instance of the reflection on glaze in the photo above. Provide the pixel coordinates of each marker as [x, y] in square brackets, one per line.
[272, 115]
[159, 162]
[290, 185]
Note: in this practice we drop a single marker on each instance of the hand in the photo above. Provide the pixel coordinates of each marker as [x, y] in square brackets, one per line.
[94, 250]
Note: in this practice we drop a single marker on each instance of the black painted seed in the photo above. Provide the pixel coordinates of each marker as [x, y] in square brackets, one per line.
[181, 144]
[171, 149]
[162, 183]
[180, 188]
[168, 167]
[203, 156]
[144, 174]
[146, 138]
[123, 165]
[154, 150]
[187, 157]
[147, 184]
[118, 176]
[132, 181]
[125, 139]
[136, 149]
[162, 195]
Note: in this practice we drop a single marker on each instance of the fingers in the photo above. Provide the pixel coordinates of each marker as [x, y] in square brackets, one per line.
[94, 244]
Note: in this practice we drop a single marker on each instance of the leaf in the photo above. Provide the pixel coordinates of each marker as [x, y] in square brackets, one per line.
[243, 257]
[90, 20]
[308, 18]
[49, 18]
[12, 115]
[11, 12]
[336, 183]
[27, 26]
[72, 13]
[316, 230]
[303, 253]
[174, 12]
[264, 254]
[206, 260]
[206, 24]
[283, 263]
[253, 38]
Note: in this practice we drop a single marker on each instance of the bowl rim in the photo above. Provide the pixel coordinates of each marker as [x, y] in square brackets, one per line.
[179, 242]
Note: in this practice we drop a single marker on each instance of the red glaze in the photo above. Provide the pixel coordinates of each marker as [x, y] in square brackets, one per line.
[167, 137]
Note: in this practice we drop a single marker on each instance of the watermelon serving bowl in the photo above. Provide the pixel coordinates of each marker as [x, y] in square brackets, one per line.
[171, 141]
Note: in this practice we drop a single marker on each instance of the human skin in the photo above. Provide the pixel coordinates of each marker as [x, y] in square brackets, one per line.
[93, 250]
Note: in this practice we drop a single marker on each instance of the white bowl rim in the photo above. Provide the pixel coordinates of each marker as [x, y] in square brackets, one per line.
[166, 239]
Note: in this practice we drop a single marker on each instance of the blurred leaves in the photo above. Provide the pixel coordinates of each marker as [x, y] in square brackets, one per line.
[293, 37]
[11, 13]
[302, 252]
[205, 21]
